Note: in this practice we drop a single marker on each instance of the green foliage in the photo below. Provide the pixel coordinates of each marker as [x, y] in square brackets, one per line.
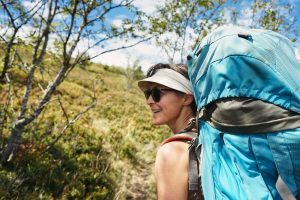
[113, 69]
[76, 167]
[107, 154]
[133, 73]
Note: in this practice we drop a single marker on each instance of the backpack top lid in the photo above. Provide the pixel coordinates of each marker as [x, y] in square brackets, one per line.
[241, 62]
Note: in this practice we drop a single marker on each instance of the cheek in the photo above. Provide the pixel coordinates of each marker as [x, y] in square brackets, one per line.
[174, 111]
[173, 106]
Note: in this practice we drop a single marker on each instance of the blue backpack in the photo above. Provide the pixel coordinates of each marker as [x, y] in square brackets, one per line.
[246, 84]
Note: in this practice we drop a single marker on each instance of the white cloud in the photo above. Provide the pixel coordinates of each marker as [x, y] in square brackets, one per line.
[148, 6]
[116, 23]
[118, 20]
[29, 4]
[148, 54]
[244, 19]
[36, 6]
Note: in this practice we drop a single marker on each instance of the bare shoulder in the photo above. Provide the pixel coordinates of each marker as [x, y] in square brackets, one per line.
[171, 171]
[173, 149]
[172, 156]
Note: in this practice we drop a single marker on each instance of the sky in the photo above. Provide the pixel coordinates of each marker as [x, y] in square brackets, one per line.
[148, 53]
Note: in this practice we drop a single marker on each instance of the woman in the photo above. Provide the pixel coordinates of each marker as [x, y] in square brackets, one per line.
[168, 93]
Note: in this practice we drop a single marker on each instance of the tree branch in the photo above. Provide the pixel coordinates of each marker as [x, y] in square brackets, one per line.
[63, 109]
[123, 47]
[70, 123]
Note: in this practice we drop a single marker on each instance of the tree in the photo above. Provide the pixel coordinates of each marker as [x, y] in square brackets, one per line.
[182, 23]
[133, 72]
[14, 24]
[273, 15]
[69, 29]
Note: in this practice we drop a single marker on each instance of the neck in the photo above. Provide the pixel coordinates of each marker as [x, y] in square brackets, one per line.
[182, 121]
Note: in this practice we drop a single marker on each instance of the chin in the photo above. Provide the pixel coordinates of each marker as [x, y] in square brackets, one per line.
[157, 122]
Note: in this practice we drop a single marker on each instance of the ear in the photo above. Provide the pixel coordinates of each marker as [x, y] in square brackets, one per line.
[188, 99]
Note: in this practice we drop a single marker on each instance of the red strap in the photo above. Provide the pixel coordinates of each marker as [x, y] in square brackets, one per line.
[180, 138]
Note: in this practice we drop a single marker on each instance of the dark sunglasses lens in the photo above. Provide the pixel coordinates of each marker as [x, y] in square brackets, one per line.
[155, 94]
[147, 93]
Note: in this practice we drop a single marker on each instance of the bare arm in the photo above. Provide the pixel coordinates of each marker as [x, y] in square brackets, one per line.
[171, 171]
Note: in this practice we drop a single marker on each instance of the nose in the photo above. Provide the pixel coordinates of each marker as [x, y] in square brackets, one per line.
[150, 100]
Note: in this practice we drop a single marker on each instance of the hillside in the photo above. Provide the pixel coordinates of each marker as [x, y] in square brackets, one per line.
[107, 154]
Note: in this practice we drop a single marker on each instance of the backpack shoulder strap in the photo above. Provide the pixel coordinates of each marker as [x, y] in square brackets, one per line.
[195, 188]
[182, 137]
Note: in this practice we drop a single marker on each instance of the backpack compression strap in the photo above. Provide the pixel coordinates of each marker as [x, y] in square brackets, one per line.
[194, 191]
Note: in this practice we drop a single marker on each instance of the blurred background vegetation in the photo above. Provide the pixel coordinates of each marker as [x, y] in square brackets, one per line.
[107, 154]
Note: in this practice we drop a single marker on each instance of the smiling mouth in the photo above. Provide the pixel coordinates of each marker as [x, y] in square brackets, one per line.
[155, 111]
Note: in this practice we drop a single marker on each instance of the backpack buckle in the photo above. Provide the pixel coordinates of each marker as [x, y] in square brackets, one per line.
[193, 143]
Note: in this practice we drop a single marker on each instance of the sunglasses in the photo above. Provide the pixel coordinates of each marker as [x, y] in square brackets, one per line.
[156, 93]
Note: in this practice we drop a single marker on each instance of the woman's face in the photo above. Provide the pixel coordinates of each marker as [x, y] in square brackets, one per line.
[167, 110]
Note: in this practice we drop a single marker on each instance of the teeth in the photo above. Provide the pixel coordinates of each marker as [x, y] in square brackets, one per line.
[155, 111]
